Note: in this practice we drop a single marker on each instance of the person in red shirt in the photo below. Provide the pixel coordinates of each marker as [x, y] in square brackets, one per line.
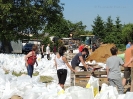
[81, 47]
[30, 60]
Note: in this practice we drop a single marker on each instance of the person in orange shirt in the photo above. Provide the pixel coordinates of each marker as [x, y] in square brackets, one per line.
[128, 70]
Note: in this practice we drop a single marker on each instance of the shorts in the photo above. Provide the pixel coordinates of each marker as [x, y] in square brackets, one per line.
[62, 74]
[127, 72]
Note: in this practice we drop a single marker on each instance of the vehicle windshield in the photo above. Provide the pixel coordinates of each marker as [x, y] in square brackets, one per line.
[28, 45]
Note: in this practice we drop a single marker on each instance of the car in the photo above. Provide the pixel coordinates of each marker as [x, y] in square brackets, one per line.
[27, 47]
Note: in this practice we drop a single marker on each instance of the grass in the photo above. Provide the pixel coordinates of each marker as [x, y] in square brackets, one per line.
[44, 79]
[20, 73]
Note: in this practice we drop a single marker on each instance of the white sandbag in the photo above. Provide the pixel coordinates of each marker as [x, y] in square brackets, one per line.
[50, 96]
[103, 87]
[2, 78]
[129, 95]
[36, 78]
[2, 71]
[77, 92]
[22, 82]
[102, 65]
[83, 94]
[30, 95]
[64, 96]
[108, 92]
[13, 92]
[113, 93]
[103, 95]
[68, 79]
[7, 91]
[73, 88]
[93, 82]
[54, 96]
[52, 88]
[121, 96]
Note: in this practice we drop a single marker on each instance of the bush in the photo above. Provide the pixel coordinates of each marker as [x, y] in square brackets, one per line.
[121, 47]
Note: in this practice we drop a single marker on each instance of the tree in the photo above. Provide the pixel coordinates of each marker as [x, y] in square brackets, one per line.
[109, 25]
[98, 27]
[18, 18]
[109, 28]
[64, 27]
[78, 29]
[114, 33]
[60, 29]
[118, 31]
[127, 33]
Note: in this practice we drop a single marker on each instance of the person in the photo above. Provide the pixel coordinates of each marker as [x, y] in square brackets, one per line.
[48, 51]
[61, 64]
[42, 51]
[128, 71]
[70, 48]
[128, 45]
[54, 49]
[94, 47]
[30, 60]
[81, 47]
[113, 70]
[80, 57]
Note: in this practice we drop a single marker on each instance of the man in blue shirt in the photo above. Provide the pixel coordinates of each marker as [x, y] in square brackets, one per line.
[128, 45]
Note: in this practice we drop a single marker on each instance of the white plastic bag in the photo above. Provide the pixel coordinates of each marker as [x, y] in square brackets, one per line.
[107, 92]
[93, 82]
[77, 92]
[129, 95]
[121, 96]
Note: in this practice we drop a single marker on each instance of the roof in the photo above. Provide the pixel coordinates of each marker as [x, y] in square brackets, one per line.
[87, 35]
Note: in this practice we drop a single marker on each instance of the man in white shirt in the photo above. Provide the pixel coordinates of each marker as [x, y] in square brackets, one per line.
[48, 51]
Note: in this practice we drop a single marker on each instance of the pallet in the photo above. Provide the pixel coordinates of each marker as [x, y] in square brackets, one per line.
[81, 78]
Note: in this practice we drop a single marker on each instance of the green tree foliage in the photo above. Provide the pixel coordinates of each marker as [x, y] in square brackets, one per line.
[98, 27]
[113, 33]
[19, 17]
[109, 26]
[64, 27]
[118, 31]
[78, 29]
[127, 33]
[60, 29]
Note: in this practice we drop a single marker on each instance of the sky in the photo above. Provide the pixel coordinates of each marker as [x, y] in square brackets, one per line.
[87, 10]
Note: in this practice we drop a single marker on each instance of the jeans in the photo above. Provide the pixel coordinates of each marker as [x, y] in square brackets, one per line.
[30, 69]
[48, 56]
[118, 83]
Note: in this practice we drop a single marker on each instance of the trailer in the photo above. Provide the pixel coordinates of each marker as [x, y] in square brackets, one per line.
[16, 47]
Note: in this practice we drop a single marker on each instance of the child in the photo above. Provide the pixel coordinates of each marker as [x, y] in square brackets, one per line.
[114, 71]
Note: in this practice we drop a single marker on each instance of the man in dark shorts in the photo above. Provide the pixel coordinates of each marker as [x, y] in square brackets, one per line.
[127, 73]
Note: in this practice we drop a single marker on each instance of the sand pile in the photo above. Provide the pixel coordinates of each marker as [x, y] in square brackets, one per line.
[102, 53]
